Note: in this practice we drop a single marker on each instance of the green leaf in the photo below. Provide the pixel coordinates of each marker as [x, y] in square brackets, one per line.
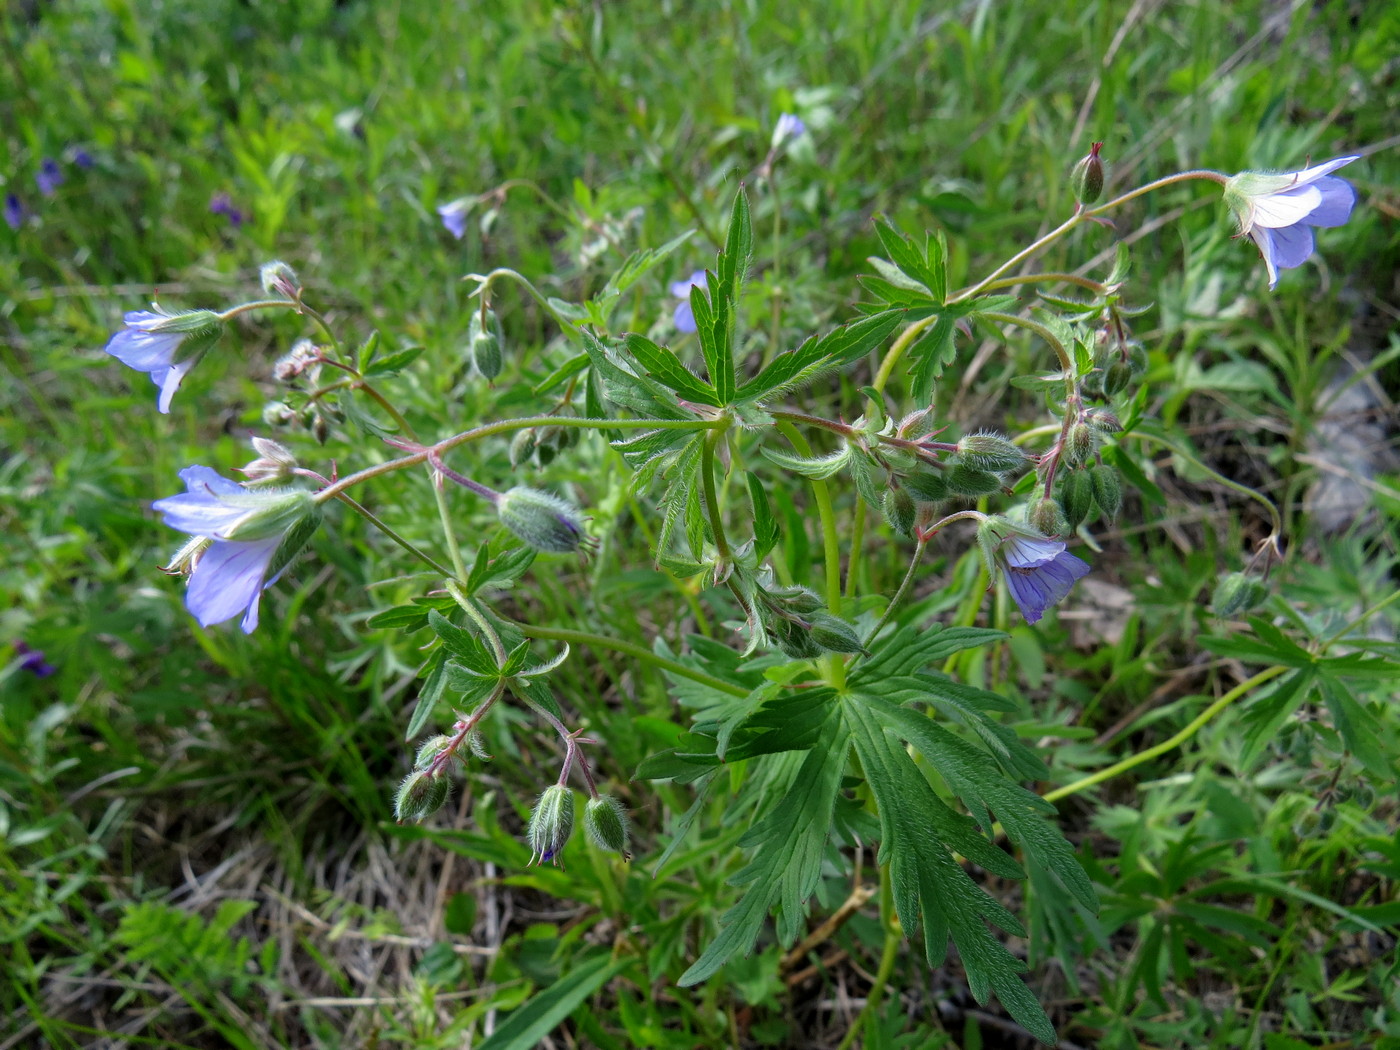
[930, 888]
[933, 351]
[793, 369]
[463, 645]
[926, 266]
[561, 375]
[434, 683]
[818, 468]
[1268, 711]
[666, 367]
[408, 618]
[765, 525]
[913, 648]
[394, 362]
[789, 844]
[527, 1026]
[1360, 730]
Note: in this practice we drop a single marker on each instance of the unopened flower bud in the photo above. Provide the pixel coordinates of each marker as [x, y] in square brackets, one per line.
[280, 279]
[899, 511]
[421, 794]
[1102, 420]
[1080, 446]
[542, 521]
[799, 600]
[320, 429]
[1116, 378]
[793, 639]
[522, 447]
[1048, 517]
[551, 824]
[834, 634]
[278, 414]
[1076, 492]
[1108, 490]
[431, 751]
[927, 486]
[606, 823]
[990, 452]
[1237, 593]
[1086, 179]
[965, 480]
[484, 344]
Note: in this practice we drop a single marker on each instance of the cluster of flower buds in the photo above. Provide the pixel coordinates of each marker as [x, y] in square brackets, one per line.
[799, 624]
[552, 824]
[978, 465]
[542, 444]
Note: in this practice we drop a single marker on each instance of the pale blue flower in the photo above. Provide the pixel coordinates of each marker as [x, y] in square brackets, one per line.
[1039, 572]
[50, 177]
[788, 127]
[151, 342]
[454, 216]
[684, 316]
[244, 539]
[1278, 212]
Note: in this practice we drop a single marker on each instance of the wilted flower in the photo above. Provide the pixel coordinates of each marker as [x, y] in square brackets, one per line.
[222, 204]
[165, 345]
[684, 317]
[251, 538]
[1278, 212]
[1039, 571]
[14, 211]
[50, 176]
[454, 216]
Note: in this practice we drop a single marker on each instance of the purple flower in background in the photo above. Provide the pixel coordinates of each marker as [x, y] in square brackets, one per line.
[1039, 572]
[50, 177]
[222, 204]
[684, 317]
[14, 211]
[788, 127]
[454, 216]
[83, 159]
[244, 539]
[152, 342]
[1278, 212]
[32, 660]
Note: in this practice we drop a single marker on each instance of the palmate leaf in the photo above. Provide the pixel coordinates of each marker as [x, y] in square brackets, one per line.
[815, 357]
[930, 888]
[664, 366]
[789, 842]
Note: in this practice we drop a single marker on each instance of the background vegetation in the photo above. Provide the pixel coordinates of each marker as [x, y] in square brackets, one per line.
[197, 842]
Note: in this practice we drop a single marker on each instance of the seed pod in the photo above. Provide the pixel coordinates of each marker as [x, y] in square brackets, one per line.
[1087, 177]
[1237, 593]
[606, 823]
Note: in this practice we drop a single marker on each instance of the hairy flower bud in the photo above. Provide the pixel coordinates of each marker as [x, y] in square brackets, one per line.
[484, 344]
[990, 452]
[800, 600]
[1102, 420]
[551, 824]
[834, 634]
[899, 511]
[793, 639]
[274, 465]
[1108, 490]
[1048, 517]
[541, 521]
[606, 823]
[1116, 378]
[278, 414]
[927, 486]
[1087, 178]
[421, 794]
[1080, 446]
[280, 279]
[1076, 492]
[1237, 593]
[965, 480]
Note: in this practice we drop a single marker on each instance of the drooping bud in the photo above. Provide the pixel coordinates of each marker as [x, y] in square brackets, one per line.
[1048, 517]
[1108, 490]
[551, 824]
[1076, 492]
[899, 511]
[280, 279]
[421, 794]
[795, 599]
[484, 344]
[965, 480]
[793, 639]
[274, 465]
[991, 452]
[1087, 177]
[1080, 446]
[834, 634]
[927, 486]
[606, 823]
[542, 521]
[1237, 593]
[1116, 378]
[1102, 420]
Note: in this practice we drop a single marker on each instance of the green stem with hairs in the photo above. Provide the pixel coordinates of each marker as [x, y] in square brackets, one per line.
[600, 641]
